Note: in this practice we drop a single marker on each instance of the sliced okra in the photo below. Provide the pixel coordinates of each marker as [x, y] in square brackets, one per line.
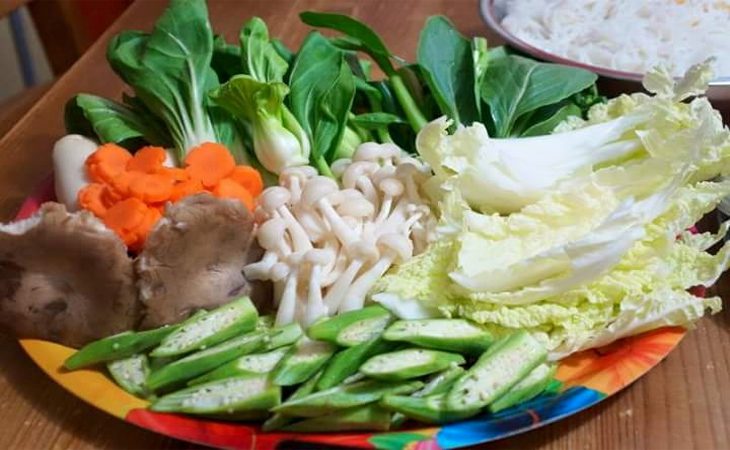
[429, 409]
[345, 396]
[439, 383]
[455, 335]
[409, 363]
[232, 395]
[303, 360]
[502, 366]
[283, 336]
[347, 361]
[119, 346]
[365, 320]
[368, 417]
[204, 361]
[218, 325]
[253, 364]
[277, 420]
[131, 374]
[526, 389]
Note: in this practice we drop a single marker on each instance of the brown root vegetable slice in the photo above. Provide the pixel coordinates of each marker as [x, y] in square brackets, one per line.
[194, 259]
[65, 277]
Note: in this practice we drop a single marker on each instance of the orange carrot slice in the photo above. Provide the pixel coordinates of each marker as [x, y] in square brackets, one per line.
[210, 163]
[147, 160]
[124, 218]
[107, 162]
[249, 178]
[151, 187]
[91, 199]
[175, 173]
[185, 188]
[228, 188]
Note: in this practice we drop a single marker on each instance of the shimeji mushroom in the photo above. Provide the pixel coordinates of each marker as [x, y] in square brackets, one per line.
[328, 243]
[393, 247]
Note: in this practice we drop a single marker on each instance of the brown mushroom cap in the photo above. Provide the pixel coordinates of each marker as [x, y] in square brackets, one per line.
[194, 258]
[65, 277]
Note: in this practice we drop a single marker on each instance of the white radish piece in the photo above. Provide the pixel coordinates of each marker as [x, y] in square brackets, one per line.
[69, 156]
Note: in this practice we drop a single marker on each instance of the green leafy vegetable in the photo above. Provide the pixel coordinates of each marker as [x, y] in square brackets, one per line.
[447, 61]
[278, 140]
[170, 72]
[111, 121]
[360, 37]
[322, 91]
[259, 56]
[226, 59]
[514, 86]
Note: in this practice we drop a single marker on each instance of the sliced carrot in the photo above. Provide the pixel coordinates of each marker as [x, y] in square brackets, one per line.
[107, 162]
[228, 188]
[125, 216]
[91, 199]
[249, 178]
[147, 160]
[151, 217]
[210, 163]
[185, 188]
[110, 196]
[175, 173]
[151, 187]
[121, 183]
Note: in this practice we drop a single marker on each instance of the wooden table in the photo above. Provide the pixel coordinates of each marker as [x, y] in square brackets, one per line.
[684, 403]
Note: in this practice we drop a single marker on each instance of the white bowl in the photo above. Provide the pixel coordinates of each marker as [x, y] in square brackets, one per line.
[493, 14]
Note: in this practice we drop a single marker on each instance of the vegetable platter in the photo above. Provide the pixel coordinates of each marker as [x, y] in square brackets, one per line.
[258, 244]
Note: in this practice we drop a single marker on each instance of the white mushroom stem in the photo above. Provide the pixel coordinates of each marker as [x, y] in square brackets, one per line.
[288, 302]
[357, 176]
[261, 269]
[275, 199]
[337, 292]
[361, 252]
[315, 306]
[332, 275]
[391, 188]
[393, 247]
[315, 193]
[294, 179]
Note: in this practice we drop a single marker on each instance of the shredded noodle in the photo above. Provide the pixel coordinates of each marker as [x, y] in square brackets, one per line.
[626, 35]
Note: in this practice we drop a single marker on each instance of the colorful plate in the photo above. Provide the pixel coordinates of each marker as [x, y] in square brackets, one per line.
[588, 377]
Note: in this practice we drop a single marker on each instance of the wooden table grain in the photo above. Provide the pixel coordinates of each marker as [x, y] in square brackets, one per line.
[682, 404]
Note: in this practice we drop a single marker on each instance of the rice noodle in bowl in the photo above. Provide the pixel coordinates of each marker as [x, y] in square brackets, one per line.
[625, 35]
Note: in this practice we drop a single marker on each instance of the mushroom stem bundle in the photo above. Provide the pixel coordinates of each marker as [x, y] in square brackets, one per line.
[328, 241]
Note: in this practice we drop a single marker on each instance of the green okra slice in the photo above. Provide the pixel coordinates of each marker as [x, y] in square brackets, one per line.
[119, 346]
[265, 322]
[428, 409]
[502, 366]
[362, 331]
[218, 325]
[347, 362]
[303, 360]
[232, 395]
[439, 383]
[283, 336]
[526, 389]
[369, 417]
[342, 397]
[277, 420]
[409, 363]
[454, 335]
[367, 321]
[203, 361]
[253, 364]
[131, 374]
